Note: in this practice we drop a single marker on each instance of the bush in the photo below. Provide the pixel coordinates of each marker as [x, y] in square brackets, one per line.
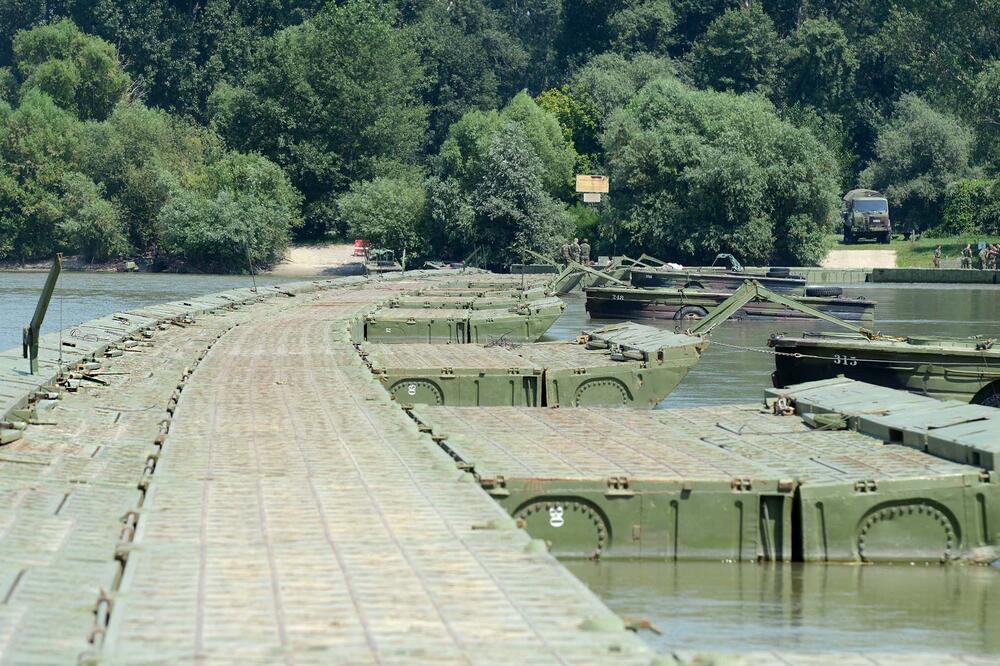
[91, 225]
[701, 172]
[971, 207]
[246, 204]
[389, 212]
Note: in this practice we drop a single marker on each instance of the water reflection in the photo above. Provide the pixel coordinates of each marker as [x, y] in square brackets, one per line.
[707, 606]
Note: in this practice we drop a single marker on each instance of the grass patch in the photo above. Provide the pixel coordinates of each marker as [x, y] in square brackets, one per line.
[920, 253]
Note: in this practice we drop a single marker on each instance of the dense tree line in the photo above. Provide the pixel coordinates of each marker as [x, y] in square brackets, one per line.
[199, 132]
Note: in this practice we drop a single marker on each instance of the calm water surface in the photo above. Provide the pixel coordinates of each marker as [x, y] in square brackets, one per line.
[698, 606]
[85, 296]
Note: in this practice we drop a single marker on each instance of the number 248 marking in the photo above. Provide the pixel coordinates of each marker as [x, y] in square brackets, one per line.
[839, 359]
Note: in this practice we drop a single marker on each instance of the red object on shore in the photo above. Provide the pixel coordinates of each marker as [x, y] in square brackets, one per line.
[361, 247]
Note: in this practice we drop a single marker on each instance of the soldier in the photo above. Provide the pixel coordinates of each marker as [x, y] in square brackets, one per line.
[991, 256]
[967, 256]
[585, 252]
[937, 257]
[574, 250]
[983, 253]
[564, 253]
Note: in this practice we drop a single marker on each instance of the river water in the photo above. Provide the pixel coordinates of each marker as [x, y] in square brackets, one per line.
[698, 606]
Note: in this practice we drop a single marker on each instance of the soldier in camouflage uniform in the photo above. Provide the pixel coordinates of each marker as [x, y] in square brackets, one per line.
[937, 257]
[967, 256]
[585, 252]
[574, 250]
[564, 253]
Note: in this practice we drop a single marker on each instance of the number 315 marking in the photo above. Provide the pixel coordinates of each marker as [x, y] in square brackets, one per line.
[839, 359]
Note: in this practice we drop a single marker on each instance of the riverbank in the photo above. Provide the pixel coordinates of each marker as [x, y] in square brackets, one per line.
[906, 253]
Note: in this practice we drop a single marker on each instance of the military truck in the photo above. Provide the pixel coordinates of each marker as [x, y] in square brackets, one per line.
[866, 215]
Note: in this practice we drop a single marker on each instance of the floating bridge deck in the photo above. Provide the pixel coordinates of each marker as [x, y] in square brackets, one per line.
[268, 503]
[224, 480]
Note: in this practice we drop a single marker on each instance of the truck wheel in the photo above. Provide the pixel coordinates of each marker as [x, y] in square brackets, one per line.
[691, 312]
[848, 238]
[887, 237]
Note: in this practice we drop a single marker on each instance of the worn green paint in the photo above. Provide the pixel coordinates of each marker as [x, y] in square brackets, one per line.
[966, 369]
[621, 365]
[733, 483]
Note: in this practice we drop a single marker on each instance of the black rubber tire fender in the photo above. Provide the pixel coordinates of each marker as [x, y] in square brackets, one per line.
[778, 272]
[826, 292]
[690, 312]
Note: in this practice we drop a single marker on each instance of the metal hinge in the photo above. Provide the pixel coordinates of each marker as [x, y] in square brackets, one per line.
[618, 486]
[867, 486]
[741, 485]
[496, 486]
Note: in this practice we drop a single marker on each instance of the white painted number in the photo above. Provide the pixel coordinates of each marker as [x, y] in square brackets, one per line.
[388, 330]
[839, 359]
[556, 516]
[411, 389]
[617, 297]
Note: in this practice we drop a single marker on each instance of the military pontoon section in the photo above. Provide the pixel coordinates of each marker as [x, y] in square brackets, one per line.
[948, 429]
[726, 483]
[526, 322]
[634, 303]
[624, 364]
[966, 369]
[710, 279]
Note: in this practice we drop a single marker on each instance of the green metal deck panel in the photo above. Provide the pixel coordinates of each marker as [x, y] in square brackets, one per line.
[951, 430]
[718, 483]
[297, 514]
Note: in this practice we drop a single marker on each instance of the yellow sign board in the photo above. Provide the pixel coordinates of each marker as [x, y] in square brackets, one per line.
[597, 184]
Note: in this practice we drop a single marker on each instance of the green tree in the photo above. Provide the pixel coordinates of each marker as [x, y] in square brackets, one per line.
[244, 204]
[80, 72]
[643, 26]
[740, 52]
[919, 151]
[986, 115]
[91, 225]
[513, 212]
[39, 145]
[819, 65]
[611, 80]
[328, 100]
[701, 172]
[578, 118]
[388, 211]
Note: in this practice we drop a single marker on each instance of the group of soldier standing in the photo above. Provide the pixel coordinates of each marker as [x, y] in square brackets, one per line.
[988, 256]
[575, 251]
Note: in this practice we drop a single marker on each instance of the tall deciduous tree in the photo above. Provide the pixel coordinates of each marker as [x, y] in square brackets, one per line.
[79, 72]
[701, 172]
[328, 100]
[740, 52]
[819, 66]
[919, 151]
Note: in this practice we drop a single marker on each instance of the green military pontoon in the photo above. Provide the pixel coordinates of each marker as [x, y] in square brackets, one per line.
[621, 365]
[966, 369]
[734, 483]
[526, 322]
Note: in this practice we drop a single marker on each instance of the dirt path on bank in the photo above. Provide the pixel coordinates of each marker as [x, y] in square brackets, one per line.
[860, 259]
[316, 260]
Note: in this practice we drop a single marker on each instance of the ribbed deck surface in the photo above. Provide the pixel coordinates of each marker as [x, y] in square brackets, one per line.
[695, 444]
[298, 515]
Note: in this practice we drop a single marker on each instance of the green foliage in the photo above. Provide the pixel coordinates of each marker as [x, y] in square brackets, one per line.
[388, 211]
[971, 206]
[919, 151]
[91, 225]
[986, 110]
[327, 100]
[578, 118]
[513, 211]
[244, 204]
[611, 80]
[80, 72]
[643, 26]
[819, 65]
[740, 52]
[699, 172]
